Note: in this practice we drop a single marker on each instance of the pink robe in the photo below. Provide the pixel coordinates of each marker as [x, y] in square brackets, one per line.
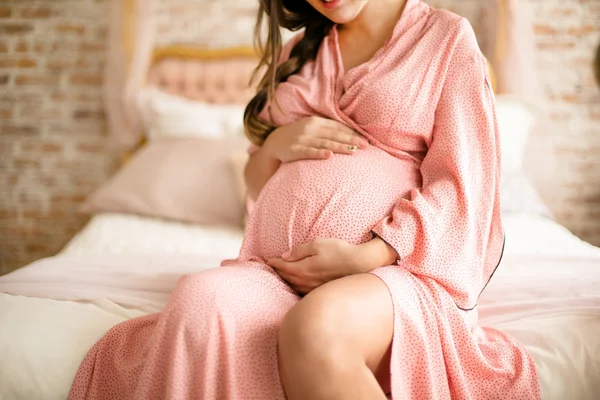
[428, 185]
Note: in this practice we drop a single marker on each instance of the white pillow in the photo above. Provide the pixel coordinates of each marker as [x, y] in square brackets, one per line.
[516, 120]
[166, 115]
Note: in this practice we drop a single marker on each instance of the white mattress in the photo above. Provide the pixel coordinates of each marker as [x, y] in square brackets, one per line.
[44, 334]
[131, 234]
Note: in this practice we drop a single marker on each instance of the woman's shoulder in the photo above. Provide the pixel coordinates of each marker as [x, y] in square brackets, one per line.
[447, 20]
[455, 33]
[289, 45]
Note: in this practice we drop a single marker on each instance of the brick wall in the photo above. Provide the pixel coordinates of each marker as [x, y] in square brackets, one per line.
[52, 130]
[52, 151]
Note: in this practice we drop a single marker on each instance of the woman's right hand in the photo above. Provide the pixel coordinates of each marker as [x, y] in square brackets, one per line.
[312, 138]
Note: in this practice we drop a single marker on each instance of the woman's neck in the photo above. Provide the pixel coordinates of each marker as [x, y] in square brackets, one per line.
[377, 18]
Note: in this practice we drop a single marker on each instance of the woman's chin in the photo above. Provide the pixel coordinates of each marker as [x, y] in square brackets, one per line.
[341, 11]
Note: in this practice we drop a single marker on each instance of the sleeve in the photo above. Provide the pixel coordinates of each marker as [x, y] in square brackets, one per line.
[265, 114]
[450, 229]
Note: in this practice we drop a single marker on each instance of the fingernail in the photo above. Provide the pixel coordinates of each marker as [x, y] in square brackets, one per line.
[286, 255]
[329, 153]
[364, 143]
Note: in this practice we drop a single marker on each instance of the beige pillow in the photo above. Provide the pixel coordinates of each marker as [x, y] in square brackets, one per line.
[238, 160]
[183, 179]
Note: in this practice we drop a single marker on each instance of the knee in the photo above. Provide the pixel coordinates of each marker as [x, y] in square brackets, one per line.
[201, 294]
[312, 330]
[198, 287]
[232, 293]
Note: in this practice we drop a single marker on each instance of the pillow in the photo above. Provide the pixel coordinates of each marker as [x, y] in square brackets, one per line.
[516, 119]
[183, 179]
[238, 161]
[167, 115]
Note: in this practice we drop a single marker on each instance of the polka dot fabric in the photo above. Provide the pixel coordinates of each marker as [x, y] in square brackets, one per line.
[427, 184]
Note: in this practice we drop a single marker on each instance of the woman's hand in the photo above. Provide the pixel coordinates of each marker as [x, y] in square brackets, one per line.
[312, 138]
[313, 264]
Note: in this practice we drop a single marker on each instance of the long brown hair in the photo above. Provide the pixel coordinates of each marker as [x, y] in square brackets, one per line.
[288, 14]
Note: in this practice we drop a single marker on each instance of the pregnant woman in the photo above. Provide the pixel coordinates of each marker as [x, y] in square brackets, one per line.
[376, 226]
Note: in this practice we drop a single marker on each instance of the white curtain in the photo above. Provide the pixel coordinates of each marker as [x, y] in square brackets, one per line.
[510, 46]
[129, 52]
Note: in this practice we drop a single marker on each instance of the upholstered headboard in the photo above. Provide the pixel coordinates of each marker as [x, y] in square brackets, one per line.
[219, 76]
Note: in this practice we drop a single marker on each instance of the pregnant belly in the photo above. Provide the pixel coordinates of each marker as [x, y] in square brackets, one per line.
[343, 198]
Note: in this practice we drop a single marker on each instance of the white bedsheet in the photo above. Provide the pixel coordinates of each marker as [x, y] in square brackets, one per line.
[561, 332]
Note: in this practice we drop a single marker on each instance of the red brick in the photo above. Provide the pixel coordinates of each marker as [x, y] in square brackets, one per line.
[43, 215]
[3, 47]
[36, 80]
[47, 180]
[17, 62]
[91, 148]
[563, 12]
[102, 33]
[556, 46]
[582, 30]
[26, 231]
[44, 147]
[92, 47]
[58, 96]
[39, 247]
[78, 30]
[572, 98]
[6, 148]
[6, 114]
[15, 28]
[12, 180]
[69, 164]
[83, 183]
[22, 47]
[586, 166]
[80, 79]
[4, 214]
[578, 152]
[37, 12]
[88, 115]
[45, 47]
[25, 163]
[41, 113]
[545, 30]
[87, 96]
[5, 12]
[67, 198]
[4, 79]
[63, 64]
[581, 62]
[11, 129]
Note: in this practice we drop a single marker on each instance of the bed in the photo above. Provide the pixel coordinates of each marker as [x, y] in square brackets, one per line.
[546, 292]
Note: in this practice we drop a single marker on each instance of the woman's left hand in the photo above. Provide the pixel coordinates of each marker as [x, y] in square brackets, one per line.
[313, 264]
[310, 265]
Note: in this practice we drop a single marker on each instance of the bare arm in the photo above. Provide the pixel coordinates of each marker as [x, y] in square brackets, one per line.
[260, 168]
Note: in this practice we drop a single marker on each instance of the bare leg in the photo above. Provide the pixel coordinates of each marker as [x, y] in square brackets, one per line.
[334, 344]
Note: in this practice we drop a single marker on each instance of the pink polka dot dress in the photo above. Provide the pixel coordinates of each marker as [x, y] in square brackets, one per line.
[428, 184]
